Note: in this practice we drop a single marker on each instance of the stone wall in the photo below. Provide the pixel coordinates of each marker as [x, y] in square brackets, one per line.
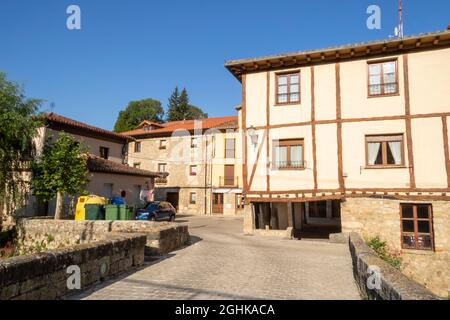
[45, 275]
[162, 237]
[390, 284]
[372, 217]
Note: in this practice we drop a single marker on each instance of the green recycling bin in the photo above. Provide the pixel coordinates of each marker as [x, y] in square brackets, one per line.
[112, 212]
[131, 214]
[126, 212]
[94, 212]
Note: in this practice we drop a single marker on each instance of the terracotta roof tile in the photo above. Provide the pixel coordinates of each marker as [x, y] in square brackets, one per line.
[57, 121]
[189, 125]
[98, 164]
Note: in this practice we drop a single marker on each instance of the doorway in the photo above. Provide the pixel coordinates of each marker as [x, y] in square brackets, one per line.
[173, 199]
[217, 203]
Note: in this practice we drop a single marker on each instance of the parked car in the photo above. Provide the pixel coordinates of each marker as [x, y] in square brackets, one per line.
[157, 211]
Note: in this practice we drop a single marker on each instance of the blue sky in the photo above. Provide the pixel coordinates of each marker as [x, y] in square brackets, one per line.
[135, 49]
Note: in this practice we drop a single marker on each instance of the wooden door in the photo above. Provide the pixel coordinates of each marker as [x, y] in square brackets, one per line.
[229, 175]
[218, 203]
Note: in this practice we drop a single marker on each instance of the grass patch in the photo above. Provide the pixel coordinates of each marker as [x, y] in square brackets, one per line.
[380, 247]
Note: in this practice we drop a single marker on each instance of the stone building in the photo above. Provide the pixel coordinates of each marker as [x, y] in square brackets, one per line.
[202, 159]
[109, 173]
[353, 138]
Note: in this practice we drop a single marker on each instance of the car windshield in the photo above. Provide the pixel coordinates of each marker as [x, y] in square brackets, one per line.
[152, 206]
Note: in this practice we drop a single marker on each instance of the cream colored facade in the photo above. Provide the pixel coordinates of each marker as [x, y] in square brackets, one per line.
[333, 118]
[206, 192]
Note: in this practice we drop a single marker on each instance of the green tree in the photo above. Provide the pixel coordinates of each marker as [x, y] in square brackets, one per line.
[173, 109]
[18, 127]
[196, 113]
[60, 170]
[180, 109]
[138, 111]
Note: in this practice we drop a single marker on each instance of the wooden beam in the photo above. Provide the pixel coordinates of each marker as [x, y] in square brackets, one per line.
[313, 128]
[256, 161]
[446, 149]
[412, 179]
[267, 130]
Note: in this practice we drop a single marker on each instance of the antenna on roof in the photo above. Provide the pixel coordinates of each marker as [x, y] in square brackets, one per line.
[399, 28]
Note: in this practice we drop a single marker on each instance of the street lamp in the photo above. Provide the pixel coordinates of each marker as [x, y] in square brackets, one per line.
[253, 136]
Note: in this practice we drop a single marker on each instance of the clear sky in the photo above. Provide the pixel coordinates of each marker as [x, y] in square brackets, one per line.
[135, 49]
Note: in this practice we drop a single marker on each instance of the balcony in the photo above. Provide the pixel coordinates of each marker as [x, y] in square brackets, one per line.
[289, 165]
[160, 180]
[229, 182]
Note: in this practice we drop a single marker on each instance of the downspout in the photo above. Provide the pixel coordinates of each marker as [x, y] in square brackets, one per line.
[206, 176]
[213, 155]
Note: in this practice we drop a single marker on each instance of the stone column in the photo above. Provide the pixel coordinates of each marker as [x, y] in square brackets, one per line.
[329, 209]
[290, 215]
[249, 218]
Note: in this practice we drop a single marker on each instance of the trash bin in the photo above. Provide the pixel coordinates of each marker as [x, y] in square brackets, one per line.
[130, 213]
[112, 212]
[123, 212]
[94, 212]
[80, 212]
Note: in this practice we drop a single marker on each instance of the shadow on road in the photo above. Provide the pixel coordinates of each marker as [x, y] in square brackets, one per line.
[195, 239]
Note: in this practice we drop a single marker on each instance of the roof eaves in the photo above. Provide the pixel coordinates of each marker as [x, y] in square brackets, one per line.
[299, 58]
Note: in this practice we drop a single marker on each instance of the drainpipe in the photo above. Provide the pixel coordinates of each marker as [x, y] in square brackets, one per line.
[213, 142]
[206, 176]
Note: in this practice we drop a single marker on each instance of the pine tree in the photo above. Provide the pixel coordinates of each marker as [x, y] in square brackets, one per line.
[183, 105]
[173, 107]
[180, 109]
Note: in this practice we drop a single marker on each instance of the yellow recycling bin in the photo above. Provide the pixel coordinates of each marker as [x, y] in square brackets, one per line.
[80, 212]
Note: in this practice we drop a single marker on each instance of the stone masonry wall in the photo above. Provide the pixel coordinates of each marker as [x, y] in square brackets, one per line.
[381, 217]
[44, 276]
[390, 284]
[162, 237]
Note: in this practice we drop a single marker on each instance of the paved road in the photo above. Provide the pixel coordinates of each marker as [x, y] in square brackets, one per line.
[225, 264]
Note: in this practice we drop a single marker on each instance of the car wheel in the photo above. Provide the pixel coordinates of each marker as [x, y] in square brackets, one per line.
[152, 218]
[172, 218]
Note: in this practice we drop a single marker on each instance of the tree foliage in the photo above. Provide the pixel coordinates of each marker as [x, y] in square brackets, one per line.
[61, 169]
[196, 113]
[18, 127]
[180, 109]
[138, 111]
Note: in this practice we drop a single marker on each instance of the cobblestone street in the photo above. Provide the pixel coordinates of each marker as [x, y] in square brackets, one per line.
[222, 263]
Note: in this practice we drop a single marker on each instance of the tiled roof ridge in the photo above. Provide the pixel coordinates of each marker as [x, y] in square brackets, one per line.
[99, 164]
[206, 123]
[54, 117]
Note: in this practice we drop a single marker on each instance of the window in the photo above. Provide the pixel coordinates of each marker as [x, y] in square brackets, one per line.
[383, 78]
[137, 146]
[137, 165]
[162, 167]
[318, 209]
[382, 151]
[239, 201]
[192, 198]
[193, 170]
[288, 154]
[288, 88]
[162, 144]
[193, 142]
[230, 148]
[417, 226]
[104, 153]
